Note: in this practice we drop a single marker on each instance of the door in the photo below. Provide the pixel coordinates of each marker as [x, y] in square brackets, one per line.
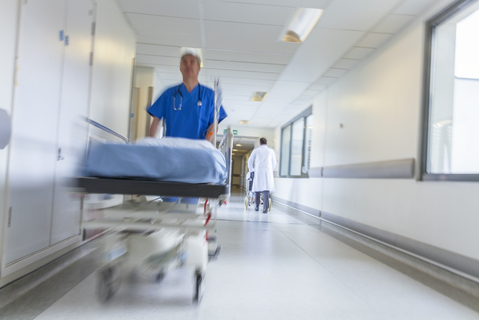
[33, 150]
[72, 127]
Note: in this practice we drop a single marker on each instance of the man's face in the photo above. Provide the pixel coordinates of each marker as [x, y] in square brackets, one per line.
[189, 66]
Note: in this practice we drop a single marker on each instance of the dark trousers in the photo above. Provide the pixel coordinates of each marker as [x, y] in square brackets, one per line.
[266, 195]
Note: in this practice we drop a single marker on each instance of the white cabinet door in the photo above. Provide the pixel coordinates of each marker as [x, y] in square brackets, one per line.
[72, 132]
[33, 150]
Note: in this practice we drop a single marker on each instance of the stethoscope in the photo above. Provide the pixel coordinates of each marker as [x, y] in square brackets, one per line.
[199, 102]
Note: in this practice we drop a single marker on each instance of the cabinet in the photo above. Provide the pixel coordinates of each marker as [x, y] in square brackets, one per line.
[49, 136]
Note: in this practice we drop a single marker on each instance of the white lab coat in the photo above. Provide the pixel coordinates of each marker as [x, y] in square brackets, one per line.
[265, 161]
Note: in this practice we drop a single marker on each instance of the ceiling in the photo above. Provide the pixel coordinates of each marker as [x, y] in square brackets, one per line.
[239, 42]
[241, 144]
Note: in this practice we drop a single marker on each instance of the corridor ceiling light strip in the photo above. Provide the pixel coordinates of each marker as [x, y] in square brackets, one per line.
[302, 23]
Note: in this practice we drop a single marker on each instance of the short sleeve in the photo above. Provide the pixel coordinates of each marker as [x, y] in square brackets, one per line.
[221, 115]
[157, 109]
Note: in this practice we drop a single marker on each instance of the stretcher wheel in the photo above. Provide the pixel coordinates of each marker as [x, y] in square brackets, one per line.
[246, 203]
[159, 276]
[108, 283]
[269, 204]
[199, 287]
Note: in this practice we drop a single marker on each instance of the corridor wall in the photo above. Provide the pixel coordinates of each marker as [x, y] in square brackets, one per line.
[374, 113]
[56, 71]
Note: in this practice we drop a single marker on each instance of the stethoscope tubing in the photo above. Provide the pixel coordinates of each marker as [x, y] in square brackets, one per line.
[199, 102]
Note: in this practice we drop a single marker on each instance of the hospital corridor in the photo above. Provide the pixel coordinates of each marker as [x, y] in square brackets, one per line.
[239, 159]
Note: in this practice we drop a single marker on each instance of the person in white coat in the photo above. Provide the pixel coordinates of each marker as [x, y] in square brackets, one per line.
[263, 161]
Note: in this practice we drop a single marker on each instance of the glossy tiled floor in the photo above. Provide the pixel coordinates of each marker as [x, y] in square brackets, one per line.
[272, 266]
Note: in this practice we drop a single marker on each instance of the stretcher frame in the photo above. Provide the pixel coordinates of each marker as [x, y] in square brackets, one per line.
[133, 218]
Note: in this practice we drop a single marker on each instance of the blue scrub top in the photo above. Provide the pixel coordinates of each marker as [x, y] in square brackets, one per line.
[191, 121]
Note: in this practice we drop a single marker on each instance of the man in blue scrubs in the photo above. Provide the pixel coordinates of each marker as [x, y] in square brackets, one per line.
[188, 108]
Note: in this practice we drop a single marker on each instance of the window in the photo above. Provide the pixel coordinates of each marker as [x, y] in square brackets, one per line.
[296, 145]
[451, 150]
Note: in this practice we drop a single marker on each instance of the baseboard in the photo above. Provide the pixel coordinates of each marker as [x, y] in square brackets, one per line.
[455, 284]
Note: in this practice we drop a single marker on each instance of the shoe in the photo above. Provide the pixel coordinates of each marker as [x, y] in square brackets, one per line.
[256, 209]
[265, 211]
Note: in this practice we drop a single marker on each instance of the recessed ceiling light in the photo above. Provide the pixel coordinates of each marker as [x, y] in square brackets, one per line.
[259, 96]
[238, 145]
[234, 149]
[243, 121]
[302, 23]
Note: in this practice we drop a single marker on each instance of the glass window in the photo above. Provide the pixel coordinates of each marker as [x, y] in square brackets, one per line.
[296, 146]
[308, 143]
[452, 136]
[285, 153]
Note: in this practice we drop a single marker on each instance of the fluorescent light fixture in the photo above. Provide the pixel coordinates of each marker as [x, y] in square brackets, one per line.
[234, 149]
[303, 21]
[197, 52]
[259, 96]
[238, 145]
[243, 121]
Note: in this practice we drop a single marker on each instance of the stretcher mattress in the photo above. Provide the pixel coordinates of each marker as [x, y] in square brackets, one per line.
[167, 159]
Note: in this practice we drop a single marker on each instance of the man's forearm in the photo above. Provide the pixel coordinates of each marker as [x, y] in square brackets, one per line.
[209, 136]
[153, 127]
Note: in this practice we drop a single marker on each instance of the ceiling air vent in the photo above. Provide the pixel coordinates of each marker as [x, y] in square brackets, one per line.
[259, 96]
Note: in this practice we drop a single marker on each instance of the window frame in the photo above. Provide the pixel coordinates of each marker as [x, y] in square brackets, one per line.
[304, 114]
[430, 32]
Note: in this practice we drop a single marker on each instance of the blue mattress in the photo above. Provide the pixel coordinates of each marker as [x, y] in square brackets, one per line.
[167, 159]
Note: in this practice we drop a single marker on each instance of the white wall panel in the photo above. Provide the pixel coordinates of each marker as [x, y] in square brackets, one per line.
[114, 50]
[35, 115]
[8, 33]
[72, 129]
[379, 103]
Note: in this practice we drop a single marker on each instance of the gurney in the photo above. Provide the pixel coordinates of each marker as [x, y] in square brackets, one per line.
[154, 236]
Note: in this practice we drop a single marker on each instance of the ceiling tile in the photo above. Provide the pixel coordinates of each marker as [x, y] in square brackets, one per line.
[286, 91]
[414, 7]
[327, 80]
[346, 63]
[148, 24]
[335, 72]
[158, 60]
[354, 14]
[317, 87]
[244, 56]
[179, 8]
[321, 49]
[253, 82]
[245, 66]
[242, 74]
[171, 39]
[394, 23]
[158, 50]
[374, 40]
[247, 13]
[320, 4]
[358, 53]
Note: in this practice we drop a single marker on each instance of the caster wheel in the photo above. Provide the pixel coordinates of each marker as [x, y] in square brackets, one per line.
[199, 288]
[159, 277]
[108, 284]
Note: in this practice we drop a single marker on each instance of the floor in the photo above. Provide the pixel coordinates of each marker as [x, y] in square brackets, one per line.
[272, 266]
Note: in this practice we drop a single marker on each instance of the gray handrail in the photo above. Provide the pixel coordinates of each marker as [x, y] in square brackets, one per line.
[98, 125]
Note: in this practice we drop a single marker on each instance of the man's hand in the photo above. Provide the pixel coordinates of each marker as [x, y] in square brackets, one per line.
[209, 135]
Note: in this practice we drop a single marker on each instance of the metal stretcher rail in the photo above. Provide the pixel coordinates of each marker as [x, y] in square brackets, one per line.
[150, 188]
